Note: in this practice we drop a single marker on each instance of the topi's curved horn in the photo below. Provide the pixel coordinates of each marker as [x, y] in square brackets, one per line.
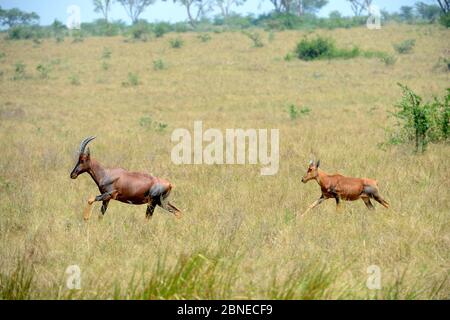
[85, 142]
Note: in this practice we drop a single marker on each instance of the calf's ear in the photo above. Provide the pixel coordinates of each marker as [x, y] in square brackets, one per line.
[318, 164]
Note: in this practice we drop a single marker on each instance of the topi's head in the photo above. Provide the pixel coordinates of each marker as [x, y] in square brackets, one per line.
[312, 172]
[84, 159]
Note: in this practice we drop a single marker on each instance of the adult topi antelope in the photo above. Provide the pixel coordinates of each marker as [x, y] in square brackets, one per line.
[118, 184]
[339, 187]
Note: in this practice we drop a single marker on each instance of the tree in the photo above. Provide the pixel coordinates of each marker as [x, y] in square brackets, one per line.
[308, 6]
[103, 7]
[428, 11]
[134, 8]
[14, 17]
[406, 13]
[226, 5]
[444, 5]
[195, 9]
[358, 6]
[299, 7]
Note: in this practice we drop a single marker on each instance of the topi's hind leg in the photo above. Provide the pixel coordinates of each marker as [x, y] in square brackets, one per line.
[372, 192]
[150, 209]
[367, 202]
[171, 208]
[166, 205]
[104, 207]
[380, 199]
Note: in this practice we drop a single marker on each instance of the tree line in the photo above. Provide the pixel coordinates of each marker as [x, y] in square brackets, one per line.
[286, 14]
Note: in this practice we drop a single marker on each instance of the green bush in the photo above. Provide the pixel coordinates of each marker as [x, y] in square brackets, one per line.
[176, 43]
[289, 56]
[445, 20]
[140, 31]
[388, 59]
[160, 29]
[421, 122]
[19, 71]
[133, 80]
[105, 66]
[22, 32]
[255, 37]
[77, 36]
[405, 46]
[325, 48]
[74, 80]
[59, 38]
[204, 37]
[43, 70]
[148, 123]
[159, 64]
[106, 54]
[294, 112]
[318, 48]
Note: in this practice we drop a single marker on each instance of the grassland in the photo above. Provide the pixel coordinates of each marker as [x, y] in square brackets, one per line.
[239, 237]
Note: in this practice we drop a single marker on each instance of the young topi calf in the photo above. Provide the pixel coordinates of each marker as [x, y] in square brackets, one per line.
[118, 184]
[339, 187]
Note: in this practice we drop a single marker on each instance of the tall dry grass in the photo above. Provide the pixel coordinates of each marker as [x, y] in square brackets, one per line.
[239, 237]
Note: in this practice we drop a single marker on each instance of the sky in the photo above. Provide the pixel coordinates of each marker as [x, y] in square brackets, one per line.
[49, 10]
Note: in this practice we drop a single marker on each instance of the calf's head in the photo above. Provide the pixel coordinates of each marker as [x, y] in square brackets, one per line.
[84, 159]
[312, 172]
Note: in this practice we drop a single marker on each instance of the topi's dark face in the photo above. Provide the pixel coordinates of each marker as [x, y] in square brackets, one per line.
[311, 172]
[82, 165]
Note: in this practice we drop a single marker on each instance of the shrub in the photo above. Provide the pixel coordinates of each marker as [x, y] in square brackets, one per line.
[289, 56]
[445, 20]
[405, 46]
[325, 48]
[176, 43]
[160, 29]
[74, 80]
[105, 66]
[421, 122]
[317, 48]
[77, 36]
[43, 70]
[140, 31]
[255, 37]
[147, 123]
[294, 112]
[204, 37]
[22, 32]
[133, 80]
[388, 59]
[19, 71]
[59, 38]
[158, 64]
[106, 53]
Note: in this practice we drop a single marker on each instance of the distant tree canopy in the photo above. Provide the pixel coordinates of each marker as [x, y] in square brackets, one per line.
[226, 5]
[406, 12]
[103, 7]
[210, 15]
[444, 5]
[298, 7]
[195, 9]
[134, 8]
[14, 17]
[429, 12]
[359, 6]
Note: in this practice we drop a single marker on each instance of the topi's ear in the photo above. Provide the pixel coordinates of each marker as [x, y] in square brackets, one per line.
[318, 163]
[88, 152]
